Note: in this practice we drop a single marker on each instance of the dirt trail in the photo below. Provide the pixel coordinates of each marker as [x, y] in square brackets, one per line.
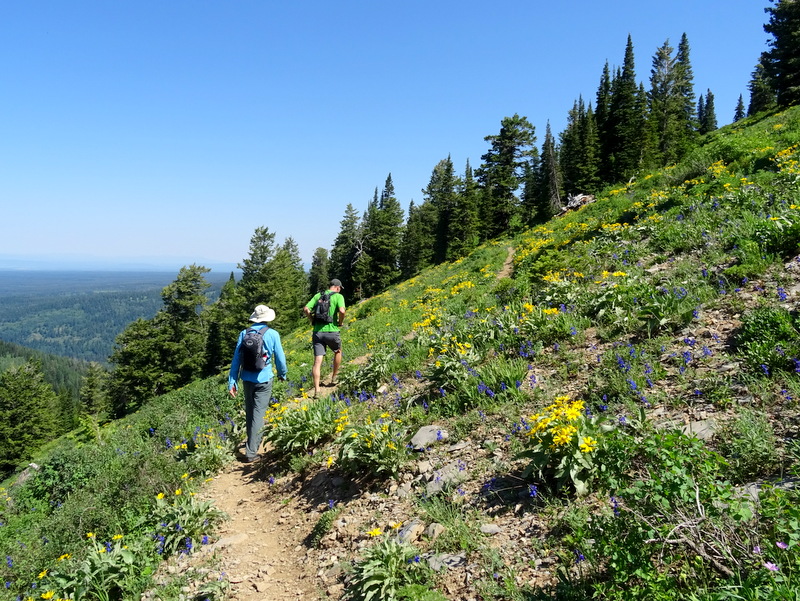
[508, 265]
[260, 547]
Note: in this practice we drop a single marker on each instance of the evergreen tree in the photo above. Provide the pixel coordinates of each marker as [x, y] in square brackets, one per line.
[709, 121]
[549, 181]
[701, 112]
[441, 194]
[667, 107]
[502, 171]
[318, 278]
[626, 120]
[137, 372]
[590, 160]
[603, 108]
[782, 60]
[93, 395]
[347, 247]
[27, 407]
[224, 319]
[762, 96]
[255, 281]
[383, 232]
[739, 113]
[570, 153]
[288, 287]
[362, 265]
[417, 246]
[686, 88]
[464, 229]
[152, 357]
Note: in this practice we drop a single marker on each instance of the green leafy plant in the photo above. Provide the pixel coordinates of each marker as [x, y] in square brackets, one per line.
[182, 523]
[300, 423]
[107, 571]
[385, 570]
[749, 444]
[564, 442]
[377, 447]
[769, 340]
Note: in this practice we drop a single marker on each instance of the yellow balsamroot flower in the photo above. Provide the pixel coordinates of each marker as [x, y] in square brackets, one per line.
[330, 461]
[116, 537]
[563, 435]
[90, 535]
[375, 532]
[48, 595]
[42, 574]
[588, 445]
[395, 525]
[64, 557]
[179, 492]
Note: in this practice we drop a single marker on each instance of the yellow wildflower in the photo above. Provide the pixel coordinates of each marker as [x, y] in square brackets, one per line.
[375, 532]
[588, 445]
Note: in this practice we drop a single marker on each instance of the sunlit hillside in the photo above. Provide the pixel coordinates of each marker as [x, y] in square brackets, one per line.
[611, 400]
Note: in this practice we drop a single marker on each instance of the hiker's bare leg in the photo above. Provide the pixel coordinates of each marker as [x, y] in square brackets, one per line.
[315, 370]
[337, 361]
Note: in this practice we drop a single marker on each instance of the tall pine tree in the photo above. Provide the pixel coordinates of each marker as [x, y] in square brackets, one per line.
[502, 170]
[626, 128]
[782, 60]
[347, 247]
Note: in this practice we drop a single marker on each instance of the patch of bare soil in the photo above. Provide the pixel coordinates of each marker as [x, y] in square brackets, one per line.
[505, 272]
[260, 548]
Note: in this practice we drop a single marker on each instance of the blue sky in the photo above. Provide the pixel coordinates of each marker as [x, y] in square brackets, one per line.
[164, 133]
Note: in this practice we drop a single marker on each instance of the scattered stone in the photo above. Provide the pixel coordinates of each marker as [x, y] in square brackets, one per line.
[702, 429]
[434, 531]
[426, 436]
[411, 532]
[450, 474]
[491, 529]
[445, 560]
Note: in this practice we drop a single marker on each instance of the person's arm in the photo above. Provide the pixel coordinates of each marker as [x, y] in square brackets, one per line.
[309, 306]
[233, 375]
[340, 311]
[278, 354]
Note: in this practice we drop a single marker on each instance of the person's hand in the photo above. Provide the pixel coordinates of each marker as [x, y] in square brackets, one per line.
[232, 391]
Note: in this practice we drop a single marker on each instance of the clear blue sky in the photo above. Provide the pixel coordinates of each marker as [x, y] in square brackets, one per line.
[166, 132]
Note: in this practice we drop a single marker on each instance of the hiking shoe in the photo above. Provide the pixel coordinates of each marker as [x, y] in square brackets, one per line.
[252, 459]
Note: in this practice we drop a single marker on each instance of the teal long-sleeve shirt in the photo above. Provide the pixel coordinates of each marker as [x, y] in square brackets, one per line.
[272, 344]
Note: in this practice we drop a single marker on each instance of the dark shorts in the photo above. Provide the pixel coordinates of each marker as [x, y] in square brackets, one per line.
[321, 340]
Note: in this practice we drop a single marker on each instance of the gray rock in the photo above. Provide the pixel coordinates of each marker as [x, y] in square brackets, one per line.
[434, 531]
[703, 429]
[491, 529]
[445, 560]
[426, 436]
[450, 475]
[410, 532]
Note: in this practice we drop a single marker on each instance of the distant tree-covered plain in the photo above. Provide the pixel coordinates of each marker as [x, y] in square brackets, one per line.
[79, 314]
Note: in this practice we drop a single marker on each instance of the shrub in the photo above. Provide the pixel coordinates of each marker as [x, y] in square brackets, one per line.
[385, 570]
[564, 441]
[769, 340]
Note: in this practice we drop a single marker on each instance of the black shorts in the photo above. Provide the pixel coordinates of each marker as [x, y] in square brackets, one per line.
[321, 340]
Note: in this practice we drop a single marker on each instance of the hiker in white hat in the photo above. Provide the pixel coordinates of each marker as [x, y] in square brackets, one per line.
[257, 350]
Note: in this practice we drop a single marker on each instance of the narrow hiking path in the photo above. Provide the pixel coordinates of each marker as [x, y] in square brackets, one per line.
[260, 548]
[508, 265]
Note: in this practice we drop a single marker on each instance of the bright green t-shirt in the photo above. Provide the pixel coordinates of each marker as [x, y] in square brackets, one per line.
[337, 301]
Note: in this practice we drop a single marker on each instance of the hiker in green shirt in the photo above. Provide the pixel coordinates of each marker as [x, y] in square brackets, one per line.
[326, 329]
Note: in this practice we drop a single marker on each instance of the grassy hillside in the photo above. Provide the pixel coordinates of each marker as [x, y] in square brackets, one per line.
[612, 402]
